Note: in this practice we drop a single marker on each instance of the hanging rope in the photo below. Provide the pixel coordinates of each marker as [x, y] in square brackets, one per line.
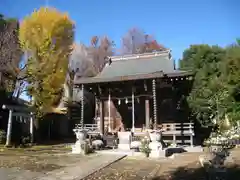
[154, 103]
[127, 97]
[82, 106]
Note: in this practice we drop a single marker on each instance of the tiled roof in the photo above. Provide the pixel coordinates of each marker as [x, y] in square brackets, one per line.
[144, 66]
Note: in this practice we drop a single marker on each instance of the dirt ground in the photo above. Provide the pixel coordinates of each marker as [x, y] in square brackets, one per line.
[134, 168]
[38, 159]
[183, 166]
[49, 163]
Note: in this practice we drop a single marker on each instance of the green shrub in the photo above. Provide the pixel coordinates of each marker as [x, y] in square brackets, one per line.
[2, 136]
[25, 140]
[145, 146]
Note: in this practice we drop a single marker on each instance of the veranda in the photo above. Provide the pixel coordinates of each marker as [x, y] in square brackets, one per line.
[147, 91]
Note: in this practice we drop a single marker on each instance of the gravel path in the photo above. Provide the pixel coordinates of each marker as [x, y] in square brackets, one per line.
[81, 169]
[126, 169]
[142, 168]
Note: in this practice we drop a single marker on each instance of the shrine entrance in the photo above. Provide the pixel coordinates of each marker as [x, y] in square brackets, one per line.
[137, 86]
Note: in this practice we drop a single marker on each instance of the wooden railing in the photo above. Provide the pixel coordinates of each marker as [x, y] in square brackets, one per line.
[91, 128]
[138, 134]
[87, 127]
[178, 129]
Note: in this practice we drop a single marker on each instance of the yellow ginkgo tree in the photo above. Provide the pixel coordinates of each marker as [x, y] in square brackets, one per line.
[46, 37]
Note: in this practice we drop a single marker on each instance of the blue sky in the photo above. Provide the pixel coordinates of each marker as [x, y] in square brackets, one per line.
[174, 23]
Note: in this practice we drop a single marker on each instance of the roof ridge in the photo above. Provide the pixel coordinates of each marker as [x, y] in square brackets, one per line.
[139, 56]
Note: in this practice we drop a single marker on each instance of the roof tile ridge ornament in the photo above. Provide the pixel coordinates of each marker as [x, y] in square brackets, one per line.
[144, 55]
[108, 60]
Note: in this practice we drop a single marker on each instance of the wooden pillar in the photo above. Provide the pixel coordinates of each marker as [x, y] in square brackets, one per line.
[96, 111]
[101, 109]
[0, 78]
[133, 111]
[154, 103]
[82, 107]
[109, 111]
[9, 128]
[147, 114]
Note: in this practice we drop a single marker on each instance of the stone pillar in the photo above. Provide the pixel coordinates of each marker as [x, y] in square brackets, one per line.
[101, 109]
[147, 114]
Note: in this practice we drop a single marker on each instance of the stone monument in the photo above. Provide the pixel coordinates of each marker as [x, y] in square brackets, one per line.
[124, 140]
[81, 137]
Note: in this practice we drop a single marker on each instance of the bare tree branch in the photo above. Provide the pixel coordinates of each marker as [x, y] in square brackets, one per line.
[10, 53]
[136, 41]
[98, 52]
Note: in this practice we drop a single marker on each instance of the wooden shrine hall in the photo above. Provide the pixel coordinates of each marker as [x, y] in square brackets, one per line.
[146, 90]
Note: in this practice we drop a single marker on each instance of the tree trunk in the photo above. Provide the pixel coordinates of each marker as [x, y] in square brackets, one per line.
[35, 124]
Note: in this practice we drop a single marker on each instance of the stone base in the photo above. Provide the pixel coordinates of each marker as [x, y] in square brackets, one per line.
[76, 149]
[124, 147]
[135, 144]
[97, 144]
[156, 150]
[157, 153]
[155, 146]
[193, 149]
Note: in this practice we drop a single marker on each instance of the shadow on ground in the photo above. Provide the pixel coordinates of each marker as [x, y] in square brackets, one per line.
[170, 151]
[182, 173]
[57, 142]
